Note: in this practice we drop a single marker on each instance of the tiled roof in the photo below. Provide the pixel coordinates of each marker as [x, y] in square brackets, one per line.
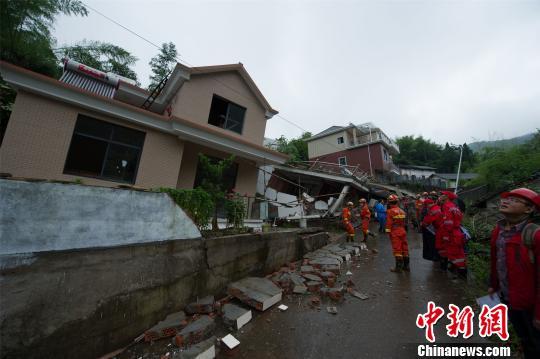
[88, 83]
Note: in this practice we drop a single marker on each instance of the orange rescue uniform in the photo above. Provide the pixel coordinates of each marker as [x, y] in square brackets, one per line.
[395, 225]
[365, 215]
[347, 218]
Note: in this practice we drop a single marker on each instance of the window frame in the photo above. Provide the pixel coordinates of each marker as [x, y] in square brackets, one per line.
[229, 102]
[339, 162]
[108, 141]
[342, 140]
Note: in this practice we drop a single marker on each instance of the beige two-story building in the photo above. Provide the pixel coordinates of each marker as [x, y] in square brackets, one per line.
[104, 130]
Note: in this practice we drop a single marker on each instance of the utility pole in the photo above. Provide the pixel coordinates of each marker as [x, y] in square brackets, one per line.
[459, 168]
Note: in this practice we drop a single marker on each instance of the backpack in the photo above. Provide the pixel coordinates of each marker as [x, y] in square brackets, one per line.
[527, 237]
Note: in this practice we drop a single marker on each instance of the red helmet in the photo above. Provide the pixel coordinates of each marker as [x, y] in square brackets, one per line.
[524, 193]
[392, 198]
[451, 195]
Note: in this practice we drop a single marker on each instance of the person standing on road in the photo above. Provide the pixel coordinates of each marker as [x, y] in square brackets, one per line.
[365, 217]
[347, 218]
[452, 236]
[429, 226]
[380, 210]
[515, 265]
[395, 227]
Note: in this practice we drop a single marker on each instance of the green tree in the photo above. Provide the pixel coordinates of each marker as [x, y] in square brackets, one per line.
[212, 181]
[25, 32]
[102, 56]
[26, 40]
[417, 151]
[296, 148]
[162, 64]
[502, 167]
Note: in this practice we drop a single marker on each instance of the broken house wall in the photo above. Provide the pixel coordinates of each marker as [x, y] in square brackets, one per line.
[84, 302]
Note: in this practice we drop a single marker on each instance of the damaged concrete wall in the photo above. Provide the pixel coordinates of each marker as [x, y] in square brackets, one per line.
[46, 216]
[87, 302]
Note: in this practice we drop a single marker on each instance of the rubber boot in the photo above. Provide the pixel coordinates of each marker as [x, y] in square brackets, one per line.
[399, 265]
[443, 264]
[406, 267]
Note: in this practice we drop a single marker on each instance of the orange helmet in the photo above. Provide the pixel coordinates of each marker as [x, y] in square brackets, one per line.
[392, 198]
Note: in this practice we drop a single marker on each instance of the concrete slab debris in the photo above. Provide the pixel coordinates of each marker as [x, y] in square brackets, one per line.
[230, 341]
[236, 316]
[259, 293]
[312, 277]
[195, 332]
[166, 328]
[359, 295]
[332, 310]
[283, 307]
[307, 269]
[202, 306]
[203, 350]
[324, 261]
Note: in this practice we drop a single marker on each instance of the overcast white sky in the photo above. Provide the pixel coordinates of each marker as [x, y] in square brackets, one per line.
[452, 71]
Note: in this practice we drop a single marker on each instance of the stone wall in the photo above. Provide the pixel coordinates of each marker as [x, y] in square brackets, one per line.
[86, 302]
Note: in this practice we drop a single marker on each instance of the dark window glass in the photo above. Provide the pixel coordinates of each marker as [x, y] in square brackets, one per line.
[95, 128]
[226, 115]
[128, 136]
[104, 150]
[86, 155]
[121, 163]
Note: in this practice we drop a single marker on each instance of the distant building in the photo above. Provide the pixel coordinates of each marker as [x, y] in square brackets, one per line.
[365, 146]
[449, 179]
[412, 172]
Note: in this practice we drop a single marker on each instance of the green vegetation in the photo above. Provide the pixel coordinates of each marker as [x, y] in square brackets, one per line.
[102, 56]
[236, 211]
[422, 152]
[162, 64]
[196, 202]
[501, 167]
[212, 181]
[25, 32]
[296, 148]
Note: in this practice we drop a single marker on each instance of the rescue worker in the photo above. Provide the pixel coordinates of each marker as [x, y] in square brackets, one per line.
[347, 221]
[395, 227]
[365, 217]
[515, 265]
[380, 210]
[418, 206]
[434, 195]
[430, 224]
[451, 240]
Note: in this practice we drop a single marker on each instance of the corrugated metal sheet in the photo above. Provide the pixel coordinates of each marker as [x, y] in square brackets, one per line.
[88, 83]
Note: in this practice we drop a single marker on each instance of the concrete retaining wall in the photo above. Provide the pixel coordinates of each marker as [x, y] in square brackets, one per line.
[45, 216]
[87, 302]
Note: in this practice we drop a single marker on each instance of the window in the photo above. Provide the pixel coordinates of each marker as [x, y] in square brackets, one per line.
[342, 161]
[103, 150]
[340, 140]
[385, 154]
[226, 115]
